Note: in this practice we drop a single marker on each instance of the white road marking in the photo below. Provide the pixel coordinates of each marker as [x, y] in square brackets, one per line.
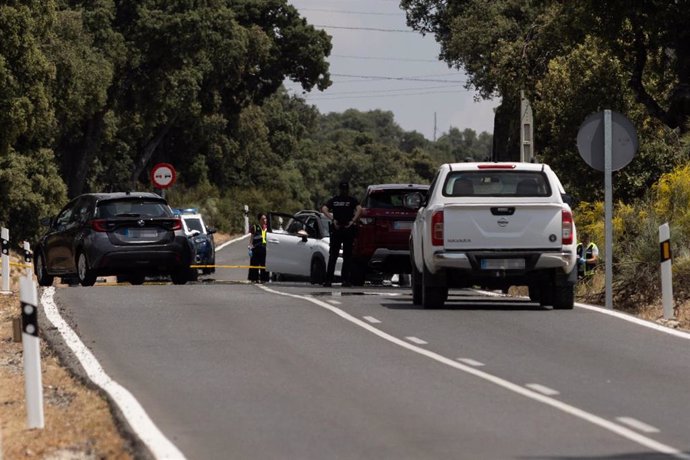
[640, 426]
[372, 320]
[334, 302]
[232, 241]
[601, 422]
[138, 419]
[471, 362]
[542, 389]
[417, 340]
[614, 313]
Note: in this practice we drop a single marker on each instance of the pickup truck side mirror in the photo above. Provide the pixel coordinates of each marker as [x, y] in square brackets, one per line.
[568, 199]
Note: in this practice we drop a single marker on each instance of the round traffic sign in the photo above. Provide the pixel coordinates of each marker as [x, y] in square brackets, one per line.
[163, 175]
[590, 141]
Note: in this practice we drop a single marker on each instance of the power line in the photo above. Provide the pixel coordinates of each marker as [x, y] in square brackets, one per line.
[397, 90]
[367, 13]
[380, 77]
[381, 58]
[376, 95]
[371, 29]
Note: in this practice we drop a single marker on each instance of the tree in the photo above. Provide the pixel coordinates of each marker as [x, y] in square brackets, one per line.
[179, 68]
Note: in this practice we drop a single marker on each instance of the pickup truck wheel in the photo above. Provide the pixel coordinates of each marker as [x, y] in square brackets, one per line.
[564, 297]
[534, 293]
[358, 273]
[432, 296]
[416, 286]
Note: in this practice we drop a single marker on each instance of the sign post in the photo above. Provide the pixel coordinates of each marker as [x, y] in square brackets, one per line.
[163, 176]
[607, 141]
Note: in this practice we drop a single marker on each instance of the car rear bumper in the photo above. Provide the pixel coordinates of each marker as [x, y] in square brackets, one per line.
[564, 260]
[391, 260]
[164, 260]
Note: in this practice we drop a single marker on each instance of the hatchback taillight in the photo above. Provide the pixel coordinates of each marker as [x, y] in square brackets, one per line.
[437, 228]
[99, 225]
[176, 224]
[567, 226]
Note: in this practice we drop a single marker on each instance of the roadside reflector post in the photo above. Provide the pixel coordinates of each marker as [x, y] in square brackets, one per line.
[246, 219]
[32, 353]
[666, 272]
[28, 259]
[5, 289]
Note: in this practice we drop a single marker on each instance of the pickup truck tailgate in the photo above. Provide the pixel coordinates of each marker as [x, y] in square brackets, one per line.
[509, 226]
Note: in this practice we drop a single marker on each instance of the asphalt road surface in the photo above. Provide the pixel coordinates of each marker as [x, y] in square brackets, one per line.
[231, 370]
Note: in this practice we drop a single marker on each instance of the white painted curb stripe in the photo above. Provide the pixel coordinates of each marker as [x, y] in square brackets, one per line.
[563, 407]
[141, 424]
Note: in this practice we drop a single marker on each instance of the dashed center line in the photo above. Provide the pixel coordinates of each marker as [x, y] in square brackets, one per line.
[641, 426]
[470, 362]
[372, 320]
[334, 302]
[542, 389]
[417, 340]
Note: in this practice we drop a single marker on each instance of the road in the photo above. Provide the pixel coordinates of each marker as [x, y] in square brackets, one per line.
[229, 370]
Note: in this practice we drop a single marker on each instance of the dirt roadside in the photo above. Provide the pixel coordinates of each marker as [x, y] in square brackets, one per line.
[79, 423]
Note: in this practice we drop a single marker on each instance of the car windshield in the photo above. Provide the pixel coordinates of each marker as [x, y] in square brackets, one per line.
[497, 183]
[132, 208]
[194, 223]
[387, 198]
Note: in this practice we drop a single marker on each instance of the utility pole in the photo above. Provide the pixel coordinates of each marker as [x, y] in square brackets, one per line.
[434, 126]
[526, 129]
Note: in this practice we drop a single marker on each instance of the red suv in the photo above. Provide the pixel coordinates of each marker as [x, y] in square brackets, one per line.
[382, 244]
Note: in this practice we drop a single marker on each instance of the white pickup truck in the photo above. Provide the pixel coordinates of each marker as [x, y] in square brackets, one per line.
[494, 225]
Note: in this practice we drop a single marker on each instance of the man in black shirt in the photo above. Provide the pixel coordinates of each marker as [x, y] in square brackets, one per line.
[343, 210]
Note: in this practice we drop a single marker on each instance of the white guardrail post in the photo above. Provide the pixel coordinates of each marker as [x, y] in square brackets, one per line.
[32, 353]
[666, 272]
[5, 289]
[246, 219]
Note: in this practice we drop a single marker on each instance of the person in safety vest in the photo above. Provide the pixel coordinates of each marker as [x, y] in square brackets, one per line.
[588, 256]
[343, 210]
[257, 250]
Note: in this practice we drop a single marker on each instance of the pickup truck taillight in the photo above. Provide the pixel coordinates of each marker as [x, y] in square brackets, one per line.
[437, 228]
[567, 226]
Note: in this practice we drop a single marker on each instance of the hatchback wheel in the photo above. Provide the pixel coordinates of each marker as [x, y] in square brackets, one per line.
[87, 277]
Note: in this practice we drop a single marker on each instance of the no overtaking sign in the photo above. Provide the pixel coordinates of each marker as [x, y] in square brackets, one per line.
[163, 175]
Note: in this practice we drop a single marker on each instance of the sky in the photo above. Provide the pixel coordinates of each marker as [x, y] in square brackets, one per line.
[392, 68]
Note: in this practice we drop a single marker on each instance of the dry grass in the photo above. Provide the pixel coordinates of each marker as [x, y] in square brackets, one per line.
[78, 421]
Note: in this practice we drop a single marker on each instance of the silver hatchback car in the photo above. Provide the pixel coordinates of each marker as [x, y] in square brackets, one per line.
[127, 234]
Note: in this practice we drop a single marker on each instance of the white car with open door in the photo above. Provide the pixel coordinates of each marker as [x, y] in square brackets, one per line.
[297, 245]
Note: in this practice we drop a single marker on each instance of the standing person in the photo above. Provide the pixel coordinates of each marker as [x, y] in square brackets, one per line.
[588, 256]
[343, 210]
[257, 250]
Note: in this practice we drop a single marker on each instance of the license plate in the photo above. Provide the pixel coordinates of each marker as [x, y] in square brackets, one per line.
[503, 264]
[141, 233]
[402, 225]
